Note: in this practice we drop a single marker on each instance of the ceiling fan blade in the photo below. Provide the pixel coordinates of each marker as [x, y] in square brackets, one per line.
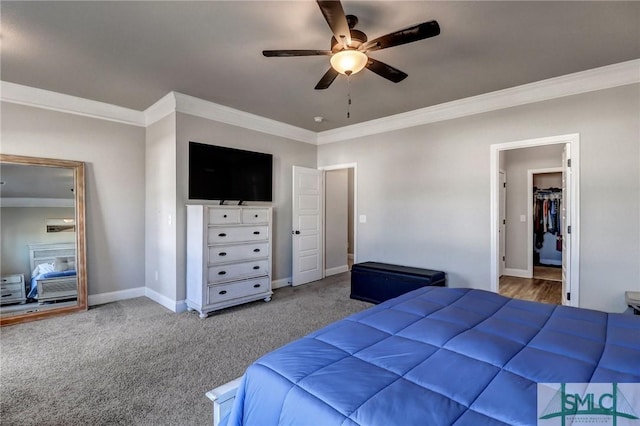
[327, 79]
[408, 35]
[386, 71]
[337, 20]
[289, 53]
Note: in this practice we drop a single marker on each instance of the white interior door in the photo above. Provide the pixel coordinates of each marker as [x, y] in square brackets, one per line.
[503, 221]
[308, 225]
[566, 224]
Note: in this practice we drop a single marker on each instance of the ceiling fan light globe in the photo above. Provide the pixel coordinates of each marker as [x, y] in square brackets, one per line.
[349, 62]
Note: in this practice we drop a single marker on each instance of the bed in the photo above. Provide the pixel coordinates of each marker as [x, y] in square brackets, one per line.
[436, 356]
[54, 277]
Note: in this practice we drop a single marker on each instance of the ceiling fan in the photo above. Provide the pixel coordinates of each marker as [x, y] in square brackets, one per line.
[349, 47]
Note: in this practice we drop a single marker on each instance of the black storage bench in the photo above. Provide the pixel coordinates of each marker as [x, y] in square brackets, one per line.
[376, 282]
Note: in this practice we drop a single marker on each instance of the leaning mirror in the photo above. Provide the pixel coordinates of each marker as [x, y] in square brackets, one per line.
[42, 234]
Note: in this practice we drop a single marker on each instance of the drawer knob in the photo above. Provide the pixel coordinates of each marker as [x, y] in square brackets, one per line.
[256, 232]
[222, 273]
[256, 285]
[255, 216]
[222, 253]
[223, 292]
[224, 215]
[222, 234]
[256, 250]
[256, 267]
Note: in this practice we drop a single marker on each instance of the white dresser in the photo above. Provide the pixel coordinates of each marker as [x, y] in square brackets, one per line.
[228, 256]
[13, 290]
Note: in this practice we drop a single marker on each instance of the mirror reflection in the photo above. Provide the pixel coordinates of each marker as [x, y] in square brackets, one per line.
[38, 261]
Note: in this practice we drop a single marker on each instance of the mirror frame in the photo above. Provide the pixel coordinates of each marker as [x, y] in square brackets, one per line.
[81, 255]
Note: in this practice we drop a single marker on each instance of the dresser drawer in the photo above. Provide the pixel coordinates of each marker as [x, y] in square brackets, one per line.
[13, 292]
[224, 216]
[220, 254]
[234, 290]
[234, 271]
[255, 216]
[224, 235]
[11, 288]
[9, 279]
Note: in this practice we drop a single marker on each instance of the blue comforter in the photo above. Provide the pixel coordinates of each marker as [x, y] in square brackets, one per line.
[437, 356]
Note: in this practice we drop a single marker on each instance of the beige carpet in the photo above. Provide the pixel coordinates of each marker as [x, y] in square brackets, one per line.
[135, 363]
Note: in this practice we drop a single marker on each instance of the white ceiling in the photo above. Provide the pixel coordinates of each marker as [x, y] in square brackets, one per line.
[132, 53]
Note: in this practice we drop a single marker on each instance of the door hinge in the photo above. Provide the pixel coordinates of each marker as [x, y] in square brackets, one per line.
[504, 221]
[569, 296]
[504, 184]
[504, 258]
[569, 229]
[569, 162]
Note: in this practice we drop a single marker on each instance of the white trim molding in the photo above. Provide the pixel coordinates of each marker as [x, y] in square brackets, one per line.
[337, 270]
[572, 84]
[606, 77]
[114, 296]
[39, 98]
[176, 306]
[574, 207]
[212, 111]
[520, 273]
[283, 282]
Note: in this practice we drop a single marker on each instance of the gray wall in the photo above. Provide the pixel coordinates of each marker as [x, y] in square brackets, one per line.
[517, 163]
[114, 159]
[160, 208]
[286, 153]
[336, 226]
[21, 226]
[425, 190]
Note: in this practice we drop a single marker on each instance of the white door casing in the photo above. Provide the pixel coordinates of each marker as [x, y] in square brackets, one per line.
[308, 226]
[571, 201]
[566, 225]
[502, 226]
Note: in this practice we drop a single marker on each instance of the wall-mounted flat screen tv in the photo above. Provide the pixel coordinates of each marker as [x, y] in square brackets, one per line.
[220, 173]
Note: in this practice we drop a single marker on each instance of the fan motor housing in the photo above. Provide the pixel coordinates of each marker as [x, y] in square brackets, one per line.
[357, 38]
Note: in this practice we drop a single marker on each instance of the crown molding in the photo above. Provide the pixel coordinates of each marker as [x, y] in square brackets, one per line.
[40, 98]
[572, 84]
[212, 111]
[160, 109]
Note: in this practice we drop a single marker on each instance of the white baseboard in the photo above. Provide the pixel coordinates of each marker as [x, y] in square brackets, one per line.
[520, 273]
[336, 270]
[283, 282]
[114, 296]
[176, 306]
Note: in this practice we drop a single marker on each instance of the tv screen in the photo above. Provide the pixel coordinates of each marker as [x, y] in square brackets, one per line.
[219, 173]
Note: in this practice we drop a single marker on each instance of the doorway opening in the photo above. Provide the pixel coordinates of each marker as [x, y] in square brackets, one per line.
[340, 213]
[519, 267]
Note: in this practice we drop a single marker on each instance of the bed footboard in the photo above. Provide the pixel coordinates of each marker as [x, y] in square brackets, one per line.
[222, 398]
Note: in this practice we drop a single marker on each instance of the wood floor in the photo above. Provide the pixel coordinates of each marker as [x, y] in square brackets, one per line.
[538, 290]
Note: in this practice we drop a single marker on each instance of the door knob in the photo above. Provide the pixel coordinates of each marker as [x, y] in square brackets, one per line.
[295, 232]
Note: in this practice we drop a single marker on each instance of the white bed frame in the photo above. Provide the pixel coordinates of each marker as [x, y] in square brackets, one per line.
[52, 289]
[222, 398]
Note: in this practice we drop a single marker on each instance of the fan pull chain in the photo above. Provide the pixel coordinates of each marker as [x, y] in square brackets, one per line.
[348, 96]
